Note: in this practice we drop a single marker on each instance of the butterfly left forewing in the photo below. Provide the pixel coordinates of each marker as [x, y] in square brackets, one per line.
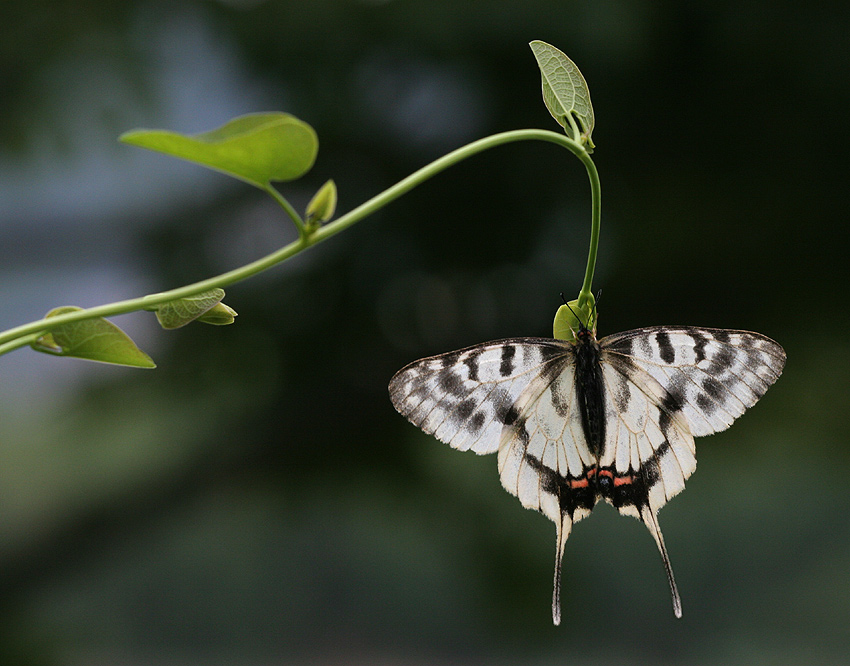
[467, 397]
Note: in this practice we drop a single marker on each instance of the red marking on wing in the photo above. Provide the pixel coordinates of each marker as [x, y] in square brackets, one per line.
[593, 472]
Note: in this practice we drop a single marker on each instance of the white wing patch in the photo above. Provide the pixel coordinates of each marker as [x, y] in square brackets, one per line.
[534, 402]
[548, 431]
[465, 398]
[642, 431]
[712, 375]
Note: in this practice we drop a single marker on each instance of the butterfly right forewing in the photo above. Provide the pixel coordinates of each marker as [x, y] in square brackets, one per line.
[709, 375]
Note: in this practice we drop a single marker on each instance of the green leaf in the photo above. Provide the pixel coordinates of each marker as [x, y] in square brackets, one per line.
[565, 92]
[257, 148]
[93, 340]
[570, 318]
[175, 314]
[322, 206]
[218, 315]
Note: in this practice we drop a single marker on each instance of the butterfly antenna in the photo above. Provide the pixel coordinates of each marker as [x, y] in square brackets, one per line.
[596, 306]
[651, 522]
[581, 326]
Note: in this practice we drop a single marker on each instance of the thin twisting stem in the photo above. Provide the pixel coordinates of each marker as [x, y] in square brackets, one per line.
[287, 207]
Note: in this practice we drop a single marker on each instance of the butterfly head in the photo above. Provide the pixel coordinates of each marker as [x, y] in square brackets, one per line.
[575, 323]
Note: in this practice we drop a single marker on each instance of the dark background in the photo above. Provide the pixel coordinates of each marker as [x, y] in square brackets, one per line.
[256, 499]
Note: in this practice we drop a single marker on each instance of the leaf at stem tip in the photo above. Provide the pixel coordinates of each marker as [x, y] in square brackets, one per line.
[323, 204]
[257, 148]
[93, 340]
[174, 314]
[565, 92]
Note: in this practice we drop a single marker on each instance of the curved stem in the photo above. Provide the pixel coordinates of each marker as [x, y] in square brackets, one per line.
[22, 341]
[307, 239]
[439, 165]
[287, 207]
[585, 296]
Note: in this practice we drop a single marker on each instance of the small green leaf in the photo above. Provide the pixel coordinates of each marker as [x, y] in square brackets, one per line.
[257, 148]
[218, 315]
[175, 314]
[565, 92]
[567, 323]
[322, 206]
[92, 339]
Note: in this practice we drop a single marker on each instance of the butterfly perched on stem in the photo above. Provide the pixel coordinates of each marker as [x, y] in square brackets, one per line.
[578, 421]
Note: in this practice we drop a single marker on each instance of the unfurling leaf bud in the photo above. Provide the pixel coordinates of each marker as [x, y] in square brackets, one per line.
[322, 206]
[218, 315]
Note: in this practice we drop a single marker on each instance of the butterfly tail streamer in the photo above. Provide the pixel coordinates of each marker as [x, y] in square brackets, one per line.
[564, 526]
[651, 521]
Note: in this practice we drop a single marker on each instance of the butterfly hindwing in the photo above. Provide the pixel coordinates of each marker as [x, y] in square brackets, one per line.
[544, 460]
[645, 437]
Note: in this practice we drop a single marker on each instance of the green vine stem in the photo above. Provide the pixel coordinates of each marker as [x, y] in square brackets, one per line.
[16, 343]
[22, 335]
[585, 296]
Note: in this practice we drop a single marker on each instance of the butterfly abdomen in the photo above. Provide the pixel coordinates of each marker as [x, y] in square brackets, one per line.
[589, 391]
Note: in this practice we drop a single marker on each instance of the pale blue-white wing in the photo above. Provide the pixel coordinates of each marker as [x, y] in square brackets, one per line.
[648, 450]
[546, 444]
[517, 396]
[709, 376]
[643, 435]
[467, 398]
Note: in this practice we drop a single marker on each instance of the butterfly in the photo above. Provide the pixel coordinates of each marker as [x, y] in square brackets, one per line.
[576, 422]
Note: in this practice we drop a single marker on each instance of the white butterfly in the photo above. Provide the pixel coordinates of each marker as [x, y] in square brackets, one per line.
[574, 423]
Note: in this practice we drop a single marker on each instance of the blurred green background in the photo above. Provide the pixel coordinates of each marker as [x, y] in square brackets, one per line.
[256, 499]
